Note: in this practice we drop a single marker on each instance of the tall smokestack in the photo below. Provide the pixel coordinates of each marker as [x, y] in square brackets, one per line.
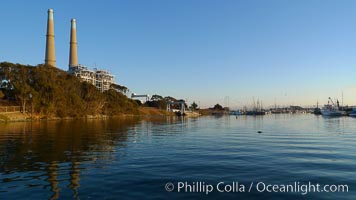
[50, 52]
[73, 52]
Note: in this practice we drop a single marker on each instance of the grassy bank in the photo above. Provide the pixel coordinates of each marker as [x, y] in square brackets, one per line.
[143, 112]
[149, 111]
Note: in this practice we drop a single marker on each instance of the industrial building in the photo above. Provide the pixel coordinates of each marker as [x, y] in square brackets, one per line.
[102, 79]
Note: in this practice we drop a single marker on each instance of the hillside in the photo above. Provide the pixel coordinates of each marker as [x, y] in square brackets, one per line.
[45, 92]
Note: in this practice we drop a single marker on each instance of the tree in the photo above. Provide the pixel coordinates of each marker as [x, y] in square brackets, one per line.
[22, 89]
[138, 102]
[169, 98]
[119, 88]
[194, 106]
[218, 107]
[160, 104]
[156, 97]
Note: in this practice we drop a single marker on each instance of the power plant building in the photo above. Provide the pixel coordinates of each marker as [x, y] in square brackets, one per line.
[104, 80]
[83, 73]
[101, 79]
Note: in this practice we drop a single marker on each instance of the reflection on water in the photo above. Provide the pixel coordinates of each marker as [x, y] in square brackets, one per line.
[131, 158]
[53, 151]
[47, 146]
[335, 124]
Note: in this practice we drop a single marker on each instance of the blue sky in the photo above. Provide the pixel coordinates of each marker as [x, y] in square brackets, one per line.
[292, 52]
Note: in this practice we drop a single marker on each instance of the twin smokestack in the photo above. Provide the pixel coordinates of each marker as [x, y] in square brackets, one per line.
[50, 57]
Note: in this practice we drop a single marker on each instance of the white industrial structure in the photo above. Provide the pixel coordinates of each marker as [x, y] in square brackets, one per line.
[147, 96]
[181, 104]
[83, 73]
[102, 79]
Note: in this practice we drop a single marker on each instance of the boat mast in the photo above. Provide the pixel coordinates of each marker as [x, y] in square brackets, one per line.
[342, 99]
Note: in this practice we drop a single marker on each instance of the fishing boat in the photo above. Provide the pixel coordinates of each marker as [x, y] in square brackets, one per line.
[332, 109]
[353, 112]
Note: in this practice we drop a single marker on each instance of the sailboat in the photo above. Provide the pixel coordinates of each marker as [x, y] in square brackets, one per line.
[257, 109]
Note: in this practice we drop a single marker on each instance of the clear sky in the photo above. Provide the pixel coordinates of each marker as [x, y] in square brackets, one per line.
[292, 52]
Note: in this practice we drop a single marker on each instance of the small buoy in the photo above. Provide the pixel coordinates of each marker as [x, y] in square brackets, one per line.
[259, 131]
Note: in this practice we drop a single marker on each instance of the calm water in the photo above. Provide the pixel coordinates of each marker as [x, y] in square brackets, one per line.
[134, 159]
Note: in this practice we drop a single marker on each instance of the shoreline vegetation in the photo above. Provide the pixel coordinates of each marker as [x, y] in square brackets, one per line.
[46, 93]
[43, 92]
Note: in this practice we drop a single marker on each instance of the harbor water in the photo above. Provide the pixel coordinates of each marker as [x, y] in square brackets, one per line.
[279, 156]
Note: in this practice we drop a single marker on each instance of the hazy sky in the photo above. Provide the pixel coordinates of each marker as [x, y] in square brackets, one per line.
[292, 52]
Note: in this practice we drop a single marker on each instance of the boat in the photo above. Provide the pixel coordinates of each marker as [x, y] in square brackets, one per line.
[353, 112]
[254, 112]
[257, 109]
[332, 109]
[317, 110]
[236, 112]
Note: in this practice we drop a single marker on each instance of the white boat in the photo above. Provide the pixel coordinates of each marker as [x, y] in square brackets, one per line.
[237, 112]
[332, 109]
[353, 113]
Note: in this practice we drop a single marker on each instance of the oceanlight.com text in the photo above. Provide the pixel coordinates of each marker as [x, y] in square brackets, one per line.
[260, 187]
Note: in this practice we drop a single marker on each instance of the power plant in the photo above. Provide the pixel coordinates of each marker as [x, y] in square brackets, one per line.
[102, 79]
[50, 58]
